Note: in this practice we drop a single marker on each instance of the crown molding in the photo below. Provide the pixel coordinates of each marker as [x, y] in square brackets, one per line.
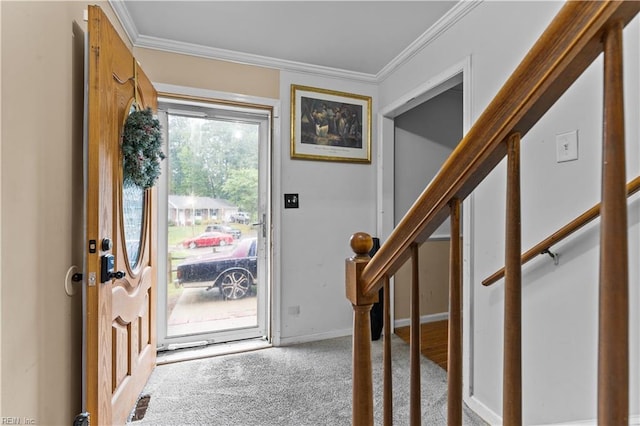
[122, 13]
[456, 13]
[248, 58]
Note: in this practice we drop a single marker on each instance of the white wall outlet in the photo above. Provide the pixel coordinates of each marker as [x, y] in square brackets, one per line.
[567, 146]
[294, 310]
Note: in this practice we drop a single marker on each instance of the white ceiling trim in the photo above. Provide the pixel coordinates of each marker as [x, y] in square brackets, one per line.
[122, 13]
[248, 58]
[451, 17]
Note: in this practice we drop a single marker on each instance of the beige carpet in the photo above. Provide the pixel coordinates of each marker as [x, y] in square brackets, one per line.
[307, 384]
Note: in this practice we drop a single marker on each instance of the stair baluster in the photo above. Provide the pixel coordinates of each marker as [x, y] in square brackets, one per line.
[613, 346]
[512, 378]
[454, 352]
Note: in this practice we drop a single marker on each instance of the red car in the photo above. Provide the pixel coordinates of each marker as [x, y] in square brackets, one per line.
[209, 239]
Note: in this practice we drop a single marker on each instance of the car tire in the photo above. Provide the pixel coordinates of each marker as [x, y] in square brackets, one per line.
[192, 245]
[235, 285]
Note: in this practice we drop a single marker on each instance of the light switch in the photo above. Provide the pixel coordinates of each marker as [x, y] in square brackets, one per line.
[291, 201]
[567, 146]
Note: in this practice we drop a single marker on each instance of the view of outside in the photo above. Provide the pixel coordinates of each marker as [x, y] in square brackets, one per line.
[213, 201]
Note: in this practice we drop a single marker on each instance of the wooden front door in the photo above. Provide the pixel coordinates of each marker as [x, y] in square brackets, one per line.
[119, 311]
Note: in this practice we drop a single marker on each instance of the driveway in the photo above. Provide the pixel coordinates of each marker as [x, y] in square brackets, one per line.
[200, 311]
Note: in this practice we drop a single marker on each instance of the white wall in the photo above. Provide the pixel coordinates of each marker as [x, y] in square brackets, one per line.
[559, 302]
[424, 138]
[336, 200]
[42, 205]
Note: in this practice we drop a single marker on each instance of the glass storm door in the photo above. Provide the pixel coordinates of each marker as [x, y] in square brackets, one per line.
[216, 223]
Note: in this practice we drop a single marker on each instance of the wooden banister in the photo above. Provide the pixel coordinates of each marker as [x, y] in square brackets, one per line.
[562, 233]
[570, 43]
[576, 36]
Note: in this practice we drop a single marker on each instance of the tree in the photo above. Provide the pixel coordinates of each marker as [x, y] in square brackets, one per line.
[241, 189]
[204, 152]
[179, 134]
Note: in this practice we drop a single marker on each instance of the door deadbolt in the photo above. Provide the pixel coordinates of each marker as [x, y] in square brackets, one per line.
[106, 244]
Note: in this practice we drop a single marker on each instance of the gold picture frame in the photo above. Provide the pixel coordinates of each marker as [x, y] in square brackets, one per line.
[328, 125]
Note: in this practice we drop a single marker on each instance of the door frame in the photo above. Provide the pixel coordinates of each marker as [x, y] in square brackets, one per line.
[273, 209]
[459, 72]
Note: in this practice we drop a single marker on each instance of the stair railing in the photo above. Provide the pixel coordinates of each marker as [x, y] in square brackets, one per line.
[573, 40]
[544, 246]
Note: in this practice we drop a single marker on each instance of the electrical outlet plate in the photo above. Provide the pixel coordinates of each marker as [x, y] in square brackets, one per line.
[567, 146]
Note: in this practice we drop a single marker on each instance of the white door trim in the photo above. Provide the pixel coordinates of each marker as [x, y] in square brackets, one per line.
[273, 208]
[455, 74]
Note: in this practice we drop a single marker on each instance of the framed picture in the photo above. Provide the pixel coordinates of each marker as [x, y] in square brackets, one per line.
[330, 126]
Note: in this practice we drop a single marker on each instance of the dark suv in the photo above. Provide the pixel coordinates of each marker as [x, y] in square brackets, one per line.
[224, 228]
[240, 217]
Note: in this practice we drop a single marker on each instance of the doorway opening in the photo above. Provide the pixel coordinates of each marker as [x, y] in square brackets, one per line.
[214, 223]
[416, 121]
[425, 137]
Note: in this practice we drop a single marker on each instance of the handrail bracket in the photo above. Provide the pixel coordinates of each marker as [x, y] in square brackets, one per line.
[554, 256]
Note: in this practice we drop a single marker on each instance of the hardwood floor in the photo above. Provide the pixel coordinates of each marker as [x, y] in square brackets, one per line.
[433, 340]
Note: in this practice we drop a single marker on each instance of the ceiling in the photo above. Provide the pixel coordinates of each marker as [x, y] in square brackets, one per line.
[356, 37]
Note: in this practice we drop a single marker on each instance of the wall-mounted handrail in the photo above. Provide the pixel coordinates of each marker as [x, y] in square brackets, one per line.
[543, 246]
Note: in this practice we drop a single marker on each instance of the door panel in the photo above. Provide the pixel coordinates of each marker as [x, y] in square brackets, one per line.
[119, 313]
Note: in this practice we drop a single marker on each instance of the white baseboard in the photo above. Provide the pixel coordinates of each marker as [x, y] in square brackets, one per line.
[294, 340]
[493, 418]
[634, 420]
[488, 415]
[404, 322]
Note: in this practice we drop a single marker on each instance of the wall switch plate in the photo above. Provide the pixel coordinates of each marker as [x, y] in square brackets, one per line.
[291, 201]
[567, 146]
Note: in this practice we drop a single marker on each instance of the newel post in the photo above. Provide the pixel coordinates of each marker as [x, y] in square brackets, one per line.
[362, 414]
